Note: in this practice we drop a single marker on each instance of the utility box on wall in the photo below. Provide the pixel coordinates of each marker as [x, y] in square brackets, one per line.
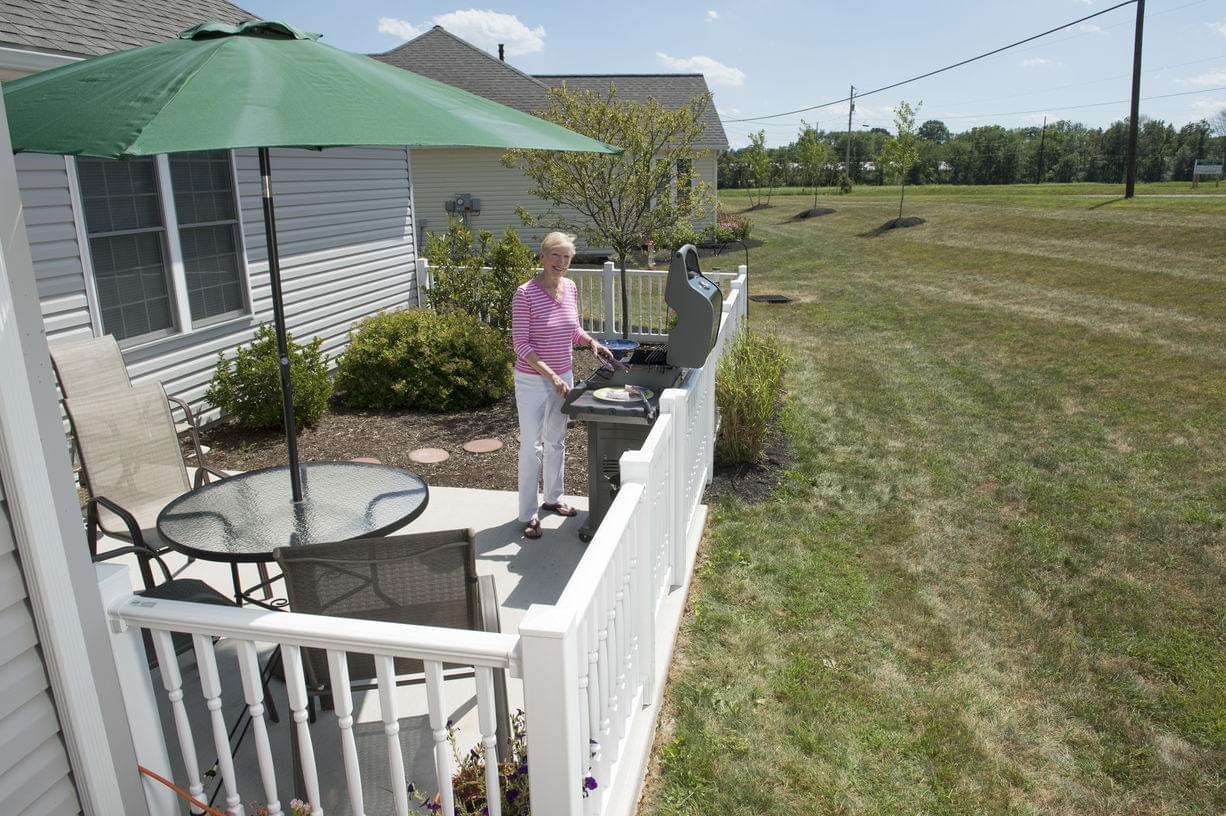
[463, 205]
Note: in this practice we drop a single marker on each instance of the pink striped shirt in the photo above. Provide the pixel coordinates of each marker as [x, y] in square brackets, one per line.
[547, 326]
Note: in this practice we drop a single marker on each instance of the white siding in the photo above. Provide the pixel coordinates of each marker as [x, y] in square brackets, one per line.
[47, 204]
[439, 174]
[34, 771]
[345, 236]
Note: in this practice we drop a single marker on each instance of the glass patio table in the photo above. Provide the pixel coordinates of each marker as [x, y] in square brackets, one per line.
[244, 518]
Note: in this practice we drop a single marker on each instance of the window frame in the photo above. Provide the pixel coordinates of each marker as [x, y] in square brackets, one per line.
[175, 269]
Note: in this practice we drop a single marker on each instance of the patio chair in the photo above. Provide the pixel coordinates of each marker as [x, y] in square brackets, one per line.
[128, 446]
[429, 579]
[95, 366]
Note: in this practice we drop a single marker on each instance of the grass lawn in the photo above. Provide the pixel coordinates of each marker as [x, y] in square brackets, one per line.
[994, 580]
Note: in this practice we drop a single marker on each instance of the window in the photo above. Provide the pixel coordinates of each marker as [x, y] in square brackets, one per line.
[685, 174]
[152, 282]
[208, 233]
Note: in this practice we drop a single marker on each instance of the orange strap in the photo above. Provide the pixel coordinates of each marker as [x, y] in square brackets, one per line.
[182, 793]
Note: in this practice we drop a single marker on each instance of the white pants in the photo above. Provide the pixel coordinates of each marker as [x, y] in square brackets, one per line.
[542, 439]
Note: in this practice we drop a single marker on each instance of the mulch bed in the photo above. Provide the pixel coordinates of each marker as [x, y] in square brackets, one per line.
[814, 212]
[389, 436]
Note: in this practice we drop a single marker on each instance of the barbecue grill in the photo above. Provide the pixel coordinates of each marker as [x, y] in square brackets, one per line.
[620, 402]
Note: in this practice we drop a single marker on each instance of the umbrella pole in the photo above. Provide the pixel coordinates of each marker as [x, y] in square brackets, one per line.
[278, 317]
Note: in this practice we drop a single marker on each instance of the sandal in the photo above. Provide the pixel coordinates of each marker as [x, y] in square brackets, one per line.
[561, 508]
[533, 529]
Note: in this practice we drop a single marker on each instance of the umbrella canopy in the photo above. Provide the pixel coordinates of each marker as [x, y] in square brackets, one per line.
[261, 84]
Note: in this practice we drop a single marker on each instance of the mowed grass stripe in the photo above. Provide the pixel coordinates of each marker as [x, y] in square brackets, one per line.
[992, 579]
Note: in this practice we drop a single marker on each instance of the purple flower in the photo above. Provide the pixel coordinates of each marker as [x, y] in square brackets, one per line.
[589, 783]
[512, 795]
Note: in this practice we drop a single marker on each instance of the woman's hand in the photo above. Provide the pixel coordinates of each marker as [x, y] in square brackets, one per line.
[559, 385]
[599, 350]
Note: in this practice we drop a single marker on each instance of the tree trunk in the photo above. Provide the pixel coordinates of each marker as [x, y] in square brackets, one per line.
[901, 194]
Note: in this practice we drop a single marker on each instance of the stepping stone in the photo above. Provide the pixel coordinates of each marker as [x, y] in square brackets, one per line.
[366, 460]
[483, 445]
[429, 456]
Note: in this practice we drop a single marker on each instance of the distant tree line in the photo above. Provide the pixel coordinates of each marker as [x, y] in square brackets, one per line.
[1062, 152]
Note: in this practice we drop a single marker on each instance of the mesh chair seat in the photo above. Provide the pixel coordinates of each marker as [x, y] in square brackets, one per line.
[129, 447]
[428, 579]
[90, 366]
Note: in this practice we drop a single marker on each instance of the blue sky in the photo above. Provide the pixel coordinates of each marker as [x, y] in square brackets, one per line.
[772, 56]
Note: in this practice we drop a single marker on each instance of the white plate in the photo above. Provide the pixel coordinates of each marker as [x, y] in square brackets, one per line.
[622, 394]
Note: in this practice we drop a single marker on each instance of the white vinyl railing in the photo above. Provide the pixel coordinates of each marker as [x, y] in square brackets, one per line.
[599, 296]
[592, 664]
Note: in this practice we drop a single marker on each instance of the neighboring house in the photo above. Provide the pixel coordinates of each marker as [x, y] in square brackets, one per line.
[167, 253]
[440, 175]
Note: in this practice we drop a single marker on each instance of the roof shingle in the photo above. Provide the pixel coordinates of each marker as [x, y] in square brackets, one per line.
[91, 27]
[445, 57]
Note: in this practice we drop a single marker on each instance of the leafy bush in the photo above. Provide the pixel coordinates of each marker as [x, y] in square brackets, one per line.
[728, 228]
[676, 237]
[748, 389]
[249, 386]
[462, 284]
[425, 360]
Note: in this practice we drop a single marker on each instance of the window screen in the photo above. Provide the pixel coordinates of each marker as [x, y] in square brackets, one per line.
[208, 233]
[123, 217]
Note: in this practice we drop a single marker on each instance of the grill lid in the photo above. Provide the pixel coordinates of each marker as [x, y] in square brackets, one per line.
[698, 303]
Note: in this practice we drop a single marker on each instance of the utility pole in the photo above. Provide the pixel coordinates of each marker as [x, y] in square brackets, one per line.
[851, 107]
[1130, 184]
[1042, 140]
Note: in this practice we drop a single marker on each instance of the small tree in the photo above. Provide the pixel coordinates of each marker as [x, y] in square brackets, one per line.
[813, 155]
[900, 152]
[759, 162]
[618, 200]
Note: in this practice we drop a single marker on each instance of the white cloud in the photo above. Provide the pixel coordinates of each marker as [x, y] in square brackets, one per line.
[1218, 27]
[483, 28]
[1205, 80]
[399, 28]
[712, 16]
[1090, 28]
[729, 112]
[1204, 107]
[1036, 62]
[716, 72]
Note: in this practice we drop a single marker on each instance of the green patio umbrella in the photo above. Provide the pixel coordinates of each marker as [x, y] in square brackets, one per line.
[260, 84]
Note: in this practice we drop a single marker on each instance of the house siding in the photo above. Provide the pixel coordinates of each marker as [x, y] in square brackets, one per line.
[439, 174]
[35, 777]
[346, 243]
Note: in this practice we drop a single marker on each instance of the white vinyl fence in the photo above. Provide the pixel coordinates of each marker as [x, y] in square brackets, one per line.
[600, 305]
[592, 665]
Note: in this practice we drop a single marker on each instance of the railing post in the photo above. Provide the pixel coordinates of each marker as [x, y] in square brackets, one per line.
[636, 467]
[673, 401]
[424, 280]
[136, 686]
[548, 637]
[606, 296]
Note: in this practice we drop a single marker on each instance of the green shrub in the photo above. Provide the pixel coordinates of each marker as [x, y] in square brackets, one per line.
[675, 237]
[426, 360]
[249, 386]
[462, 284]
[748, 390]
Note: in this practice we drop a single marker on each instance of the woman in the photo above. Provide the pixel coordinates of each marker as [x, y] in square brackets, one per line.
[544, 330]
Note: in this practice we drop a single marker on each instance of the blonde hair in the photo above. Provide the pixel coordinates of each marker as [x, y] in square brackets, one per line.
[557, 240]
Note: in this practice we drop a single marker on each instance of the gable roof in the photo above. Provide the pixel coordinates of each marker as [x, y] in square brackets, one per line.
[443, 56]
[88, 28]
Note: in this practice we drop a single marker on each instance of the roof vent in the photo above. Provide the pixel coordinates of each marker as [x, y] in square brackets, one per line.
[501, 56]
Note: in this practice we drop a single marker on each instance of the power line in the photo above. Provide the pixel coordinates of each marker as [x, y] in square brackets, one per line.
[942, 70]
